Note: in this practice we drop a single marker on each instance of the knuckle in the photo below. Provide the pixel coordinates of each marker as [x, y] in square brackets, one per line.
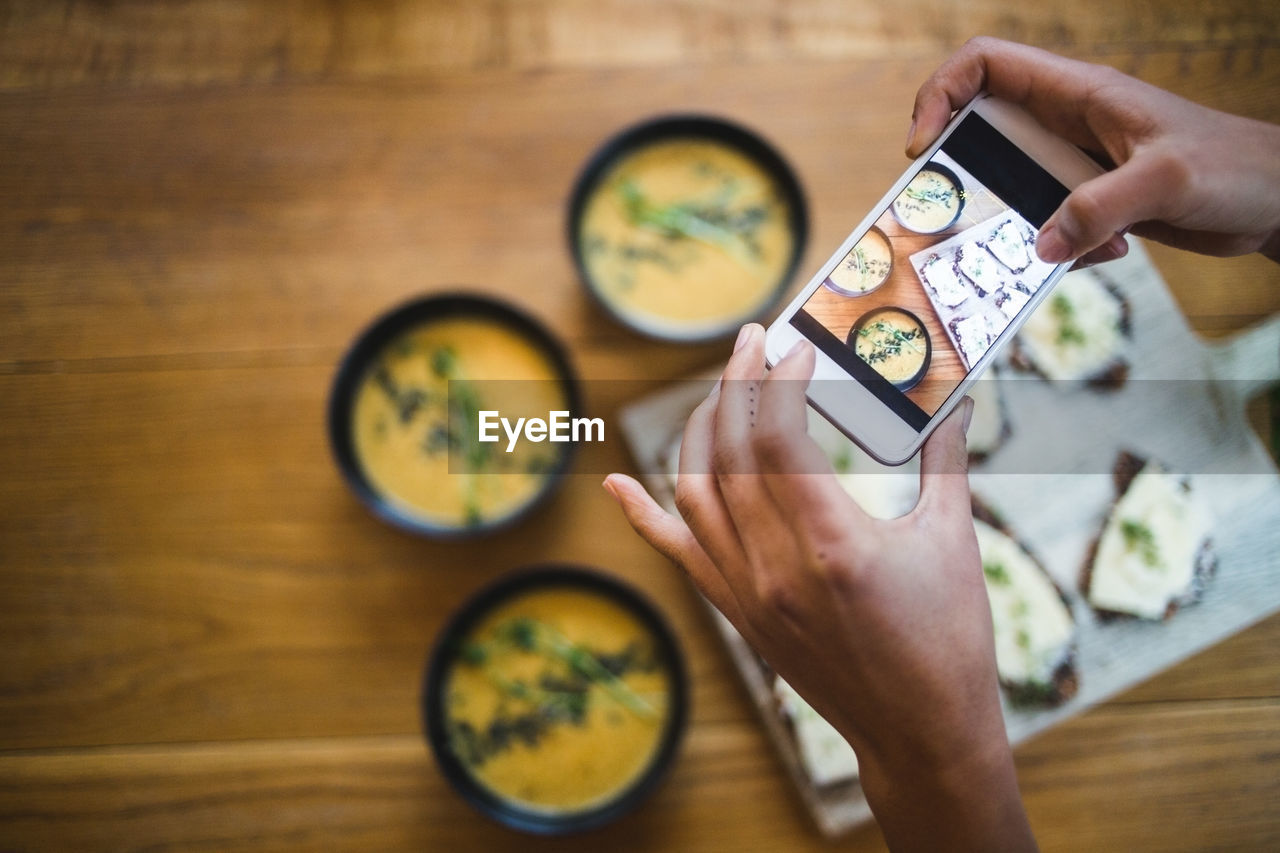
[771, 446]
[979, 44]
[686, 499]
[1173, 173]
[1086, 210]
[841, 569]
[725, 459]
[778, 597]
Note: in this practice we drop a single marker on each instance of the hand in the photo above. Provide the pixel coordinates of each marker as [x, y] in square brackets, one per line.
[1185, 175]
[883, 626]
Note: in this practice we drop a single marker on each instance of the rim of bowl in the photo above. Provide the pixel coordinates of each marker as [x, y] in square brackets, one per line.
[374, 338]
[479, 604]
[690, 125]
[914, 380]
[854, 294]
[946, 172]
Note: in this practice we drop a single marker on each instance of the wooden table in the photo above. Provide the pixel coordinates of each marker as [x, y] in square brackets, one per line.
[204, 640]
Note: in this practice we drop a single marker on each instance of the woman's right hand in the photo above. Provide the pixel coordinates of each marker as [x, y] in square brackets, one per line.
[1185, 175]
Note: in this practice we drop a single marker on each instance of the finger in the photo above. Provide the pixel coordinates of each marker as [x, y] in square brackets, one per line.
[789, 458]
[766, 539]
[1116, 247]
[1051, 87]
[956, 82]
[698, 497]
[1097, 210]
[673, 539]
[737, 405]
[944, 465]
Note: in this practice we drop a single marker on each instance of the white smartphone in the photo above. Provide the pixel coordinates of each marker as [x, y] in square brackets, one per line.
[914, 305]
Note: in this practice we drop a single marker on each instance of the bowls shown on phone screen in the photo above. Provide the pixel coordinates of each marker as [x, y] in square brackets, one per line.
[685, 227]
[932, 201]
[895, 343]
[555, 699]
[865, 268]
[404, 407]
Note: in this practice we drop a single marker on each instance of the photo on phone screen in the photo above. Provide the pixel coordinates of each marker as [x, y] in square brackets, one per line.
[947, 266]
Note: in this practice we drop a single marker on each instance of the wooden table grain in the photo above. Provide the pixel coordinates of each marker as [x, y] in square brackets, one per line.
[204, 640]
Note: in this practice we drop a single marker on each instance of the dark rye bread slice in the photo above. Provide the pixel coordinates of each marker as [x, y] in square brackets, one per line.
[1065, 680]
[1127, 467]
[1111, 376]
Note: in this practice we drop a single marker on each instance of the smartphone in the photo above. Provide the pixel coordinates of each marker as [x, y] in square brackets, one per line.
[915, 304]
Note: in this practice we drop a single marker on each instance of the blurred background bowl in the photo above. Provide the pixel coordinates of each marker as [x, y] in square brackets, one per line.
[370, 346]
[445, 654]
[700, 128]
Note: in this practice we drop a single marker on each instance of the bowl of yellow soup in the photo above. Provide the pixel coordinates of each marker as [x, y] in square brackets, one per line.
[407, 404]
[866, 266]
[685, 227]
[555, 699]
[895, 343]
[932, 201]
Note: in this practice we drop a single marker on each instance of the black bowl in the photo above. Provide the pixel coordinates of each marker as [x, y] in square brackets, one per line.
[690, 126]
[912, 381]
[946, 172]
[445, 651]
[371, 343]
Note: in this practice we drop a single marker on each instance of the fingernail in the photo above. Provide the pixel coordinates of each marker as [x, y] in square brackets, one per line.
[744, 334]
[1119, 245]
[968, 414]
[1051, 246]
[911, 135]
[796, 347]
[608, 487]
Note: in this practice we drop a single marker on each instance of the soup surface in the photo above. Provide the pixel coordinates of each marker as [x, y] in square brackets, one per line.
[557, 700]
[865, 267]
[892, 342]
[686, 235]
[930, 202]
[415, 420]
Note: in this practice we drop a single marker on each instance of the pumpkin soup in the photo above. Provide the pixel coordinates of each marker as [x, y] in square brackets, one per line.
[557, 700]
[415, 421]
[686, 235]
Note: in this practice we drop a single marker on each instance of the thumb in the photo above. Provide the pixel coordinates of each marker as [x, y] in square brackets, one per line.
[667, 534]
[671, 537]
[1099, 209]
[944, 463]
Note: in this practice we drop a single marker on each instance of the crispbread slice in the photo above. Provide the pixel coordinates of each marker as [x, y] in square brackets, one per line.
[1111, 375]
[1125, 470]
[1064, 681]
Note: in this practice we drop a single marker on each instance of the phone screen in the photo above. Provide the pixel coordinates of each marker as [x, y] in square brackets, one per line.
[911, 309]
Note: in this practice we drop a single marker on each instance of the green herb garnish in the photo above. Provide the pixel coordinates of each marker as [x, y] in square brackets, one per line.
[462, 436]
[559, 694]
[712, 223]
[891, 342]
[1139, 537]
[1068, 330]
[996, 573]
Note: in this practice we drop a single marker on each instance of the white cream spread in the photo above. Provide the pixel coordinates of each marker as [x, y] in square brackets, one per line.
[1008, 243]
[1147, 553]
[1075, 333]
[1033, 628]
[974, 336]
[826, 755]
[940, 275]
